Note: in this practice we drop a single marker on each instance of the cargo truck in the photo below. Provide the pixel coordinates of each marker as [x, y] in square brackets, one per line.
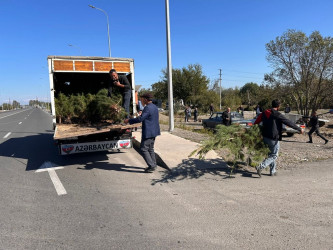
[82, 75]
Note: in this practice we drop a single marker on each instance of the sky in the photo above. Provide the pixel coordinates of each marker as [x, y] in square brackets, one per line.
[217, 34]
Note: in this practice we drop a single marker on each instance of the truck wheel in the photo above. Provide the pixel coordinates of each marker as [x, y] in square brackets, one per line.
[290, 134]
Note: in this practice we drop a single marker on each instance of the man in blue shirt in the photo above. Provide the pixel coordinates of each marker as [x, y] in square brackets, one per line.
[150, 129]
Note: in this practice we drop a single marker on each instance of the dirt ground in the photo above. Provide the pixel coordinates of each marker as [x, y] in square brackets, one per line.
[293, 150]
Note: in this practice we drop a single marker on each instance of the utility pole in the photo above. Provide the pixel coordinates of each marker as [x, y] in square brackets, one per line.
[169, 68]
[220, 89]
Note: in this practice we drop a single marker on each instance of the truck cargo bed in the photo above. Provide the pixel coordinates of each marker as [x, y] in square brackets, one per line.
[64, 131]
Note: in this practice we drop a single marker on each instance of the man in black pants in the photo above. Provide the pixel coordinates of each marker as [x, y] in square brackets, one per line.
[150, 129]
[124, 85]
[315, 127]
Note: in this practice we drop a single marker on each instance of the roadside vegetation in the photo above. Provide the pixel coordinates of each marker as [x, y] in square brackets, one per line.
[302, 77]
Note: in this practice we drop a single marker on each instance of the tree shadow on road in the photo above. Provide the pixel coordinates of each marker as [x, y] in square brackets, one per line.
[112, 167]
[195, 169]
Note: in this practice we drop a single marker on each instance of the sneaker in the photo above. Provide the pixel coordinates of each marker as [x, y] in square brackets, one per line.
[326, 141]
[258, 171]
[273, 174]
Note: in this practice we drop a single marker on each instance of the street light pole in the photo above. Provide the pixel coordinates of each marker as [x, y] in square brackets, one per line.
[220, 89]
[71, 45]
[170, 91]
[107, 19]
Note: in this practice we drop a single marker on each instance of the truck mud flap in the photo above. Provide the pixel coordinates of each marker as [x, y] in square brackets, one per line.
[75, 148]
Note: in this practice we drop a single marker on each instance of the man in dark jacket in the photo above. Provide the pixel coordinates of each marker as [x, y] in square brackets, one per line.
[272, 121]
[150, 129]
[226, 117]
[123, 84]
[315, 127]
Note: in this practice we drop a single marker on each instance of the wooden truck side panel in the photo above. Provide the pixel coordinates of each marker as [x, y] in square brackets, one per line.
[90, 65]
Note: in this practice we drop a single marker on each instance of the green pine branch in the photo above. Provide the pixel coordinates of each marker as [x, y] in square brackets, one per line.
[243, 144]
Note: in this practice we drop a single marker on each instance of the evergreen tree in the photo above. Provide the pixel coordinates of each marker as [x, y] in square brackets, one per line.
[89, 108]
[243, 144]
[63, 107]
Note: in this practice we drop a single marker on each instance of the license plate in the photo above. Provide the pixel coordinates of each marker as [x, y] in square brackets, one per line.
[74, 148]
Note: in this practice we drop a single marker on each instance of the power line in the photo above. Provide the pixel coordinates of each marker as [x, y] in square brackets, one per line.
[246, 72]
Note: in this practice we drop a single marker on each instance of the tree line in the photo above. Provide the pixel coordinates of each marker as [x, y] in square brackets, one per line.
[9, 106]
[302, 77]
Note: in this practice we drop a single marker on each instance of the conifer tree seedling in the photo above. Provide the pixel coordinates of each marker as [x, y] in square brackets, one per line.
[63, 107]
[244, 144]
[89, 108]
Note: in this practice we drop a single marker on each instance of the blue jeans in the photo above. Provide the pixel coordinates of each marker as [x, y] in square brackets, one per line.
[147, 149]
[127, 100]
[274, 147]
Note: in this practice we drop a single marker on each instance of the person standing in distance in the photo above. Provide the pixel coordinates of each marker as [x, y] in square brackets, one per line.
[272, 121]
[315, 127]
[123, 84]
[150, 129]
[211, 109]
[226, 117]
[287, 109]
[258, 109]
[195, 113]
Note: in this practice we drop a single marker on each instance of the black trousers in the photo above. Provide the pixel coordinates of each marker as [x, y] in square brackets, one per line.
[315, 129]
[148, 153]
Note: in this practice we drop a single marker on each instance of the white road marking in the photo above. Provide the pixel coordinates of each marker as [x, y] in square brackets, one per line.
[56, 182]
[20, 122]
[8, 134]
[12, 114]
[51, 167]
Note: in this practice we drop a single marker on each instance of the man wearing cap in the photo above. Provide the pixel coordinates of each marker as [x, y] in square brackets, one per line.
[150, 129]
[123, 84]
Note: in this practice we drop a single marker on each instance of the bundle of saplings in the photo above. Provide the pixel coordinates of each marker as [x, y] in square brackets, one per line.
[89, 108]
[244, 145]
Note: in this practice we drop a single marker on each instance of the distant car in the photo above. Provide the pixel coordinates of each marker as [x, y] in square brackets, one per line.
[247, 123]
[290, 131]
[297, 119]
[216, 119]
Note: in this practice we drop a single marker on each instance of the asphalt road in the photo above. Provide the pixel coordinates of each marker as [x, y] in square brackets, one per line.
[105, 201]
